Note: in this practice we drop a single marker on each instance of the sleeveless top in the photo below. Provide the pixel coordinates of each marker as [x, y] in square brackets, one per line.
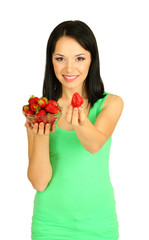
[80, 192]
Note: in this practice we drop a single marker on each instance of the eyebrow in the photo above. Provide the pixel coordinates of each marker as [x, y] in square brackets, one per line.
[80, 54]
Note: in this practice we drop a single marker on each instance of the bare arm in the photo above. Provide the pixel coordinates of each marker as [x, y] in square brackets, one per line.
[93, 137]
[30, 138]
[39, 169]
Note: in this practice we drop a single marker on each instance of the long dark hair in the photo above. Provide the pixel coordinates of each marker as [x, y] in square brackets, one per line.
[52, 88]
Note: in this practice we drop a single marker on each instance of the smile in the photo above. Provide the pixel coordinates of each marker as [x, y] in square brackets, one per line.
[70, 77]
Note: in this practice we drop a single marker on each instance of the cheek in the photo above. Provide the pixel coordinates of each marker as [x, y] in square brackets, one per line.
[58, 71]
[85, 68]
[57, 68]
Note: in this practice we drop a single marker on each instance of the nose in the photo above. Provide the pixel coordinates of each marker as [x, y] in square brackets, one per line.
[69, 66]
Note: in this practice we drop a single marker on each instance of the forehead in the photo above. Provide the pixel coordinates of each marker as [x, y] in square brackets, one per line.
[67, 45]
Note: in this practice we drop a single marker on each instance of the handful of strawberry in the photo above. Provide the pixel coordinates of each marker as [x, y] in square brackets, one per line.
[41, 110]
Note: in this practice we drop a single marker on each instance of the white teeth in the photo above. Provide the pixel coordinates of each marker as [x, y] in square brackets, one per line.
[70, 77]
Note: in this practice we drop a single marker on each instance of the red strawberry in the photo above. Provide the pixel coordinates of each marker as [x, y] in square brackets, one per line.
[53, 102]
[29, 112]
[25, 107]
[36, 99]
[34, 121]
[41, 116]
[51, 108]
[34, 107]
[45, 99]
[42, 102]
[59, 110]
[77, 100]
[33, 99]
[50, 118]
[42, 112]
[48, 115]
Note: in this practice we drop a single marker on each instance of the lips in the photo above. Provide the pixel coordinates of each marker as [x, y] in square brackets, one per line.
[70, 78]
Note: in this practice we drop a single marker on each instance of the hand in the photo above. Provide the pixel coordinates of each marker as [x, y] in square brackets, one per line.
[75, 116]
[41, 128]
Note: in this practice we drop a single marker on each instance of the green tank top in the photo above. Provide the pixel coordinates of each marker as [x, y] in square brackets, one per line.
[80, 192]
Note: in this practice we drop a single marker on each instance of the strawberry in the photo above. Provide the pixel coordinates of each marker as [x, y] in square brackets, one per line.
[41, 116]
[45, 99]
[29, 112]
[59, 110]
[51, 108]
[41, 112]
[34, 121]
[42, 102]
[25, 107]
[77, 100]
[34, 107]
[33, 99]
[50, 118]
[53, 102]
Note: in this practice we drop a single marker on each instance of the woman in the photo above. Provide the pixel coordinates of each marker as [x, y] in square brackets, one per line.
[69, 167]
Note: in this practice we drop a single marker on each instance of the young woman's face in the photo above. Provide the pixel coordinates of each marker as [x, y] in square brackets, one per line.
[71, 62]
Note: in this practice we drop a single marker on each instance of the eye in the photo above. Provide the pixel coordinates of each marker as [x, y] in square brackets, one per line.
[80, 59]
[59, 59]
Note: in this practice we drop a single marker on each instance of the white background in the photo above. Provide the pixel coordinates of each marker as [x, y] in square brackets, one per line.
[121, 30]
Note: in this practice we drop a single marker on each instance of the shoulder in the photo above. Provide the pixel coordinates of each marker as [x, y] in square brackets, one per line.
[113, 101]
[112, 108]
[107, 119]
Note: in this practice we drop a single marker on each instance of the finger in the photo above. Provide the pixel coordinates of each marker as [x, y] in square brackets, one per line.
[26, 125]
[69, 114]
[53, 128]
[35, 128]
[47, 129]
[41, 128]
[75, 117]
[81, 116]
